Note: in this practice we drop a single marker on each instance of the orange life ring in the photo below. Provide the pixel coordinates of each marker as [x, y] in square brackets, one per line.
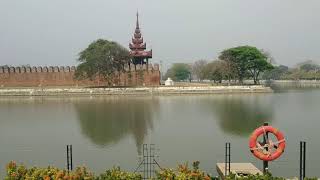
[271, 150]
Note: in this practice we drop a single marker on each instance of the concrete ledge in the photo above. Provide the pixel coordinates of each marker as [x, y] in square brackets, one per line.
[238, 169]
[132, 91]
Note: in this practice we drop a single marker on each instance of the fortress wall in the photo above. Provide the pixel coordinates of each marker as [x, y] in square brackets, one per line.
[64, 76]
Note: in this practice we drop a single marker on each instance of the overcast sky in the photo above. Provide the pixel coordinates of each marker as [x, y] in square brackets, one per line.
[53, 32]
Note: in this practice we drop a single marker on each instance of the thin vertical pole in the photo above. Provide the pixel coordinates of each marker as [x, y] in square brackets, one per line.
[145, 161]
[71, 163]
[150, 168]
[150, 161]
[154, 159]
[229, 161]
[68, 158]
[304, 159]
[265, 137]
[226, 160]
[144, 165]
[301, 177]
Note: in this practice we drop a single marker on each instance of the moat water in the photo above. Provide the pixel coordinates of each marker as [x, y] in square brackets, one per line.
[110, 131]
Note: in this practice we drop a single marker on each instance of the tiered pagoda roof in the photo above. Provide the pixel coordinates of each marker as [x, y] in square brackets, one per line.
[137, 46]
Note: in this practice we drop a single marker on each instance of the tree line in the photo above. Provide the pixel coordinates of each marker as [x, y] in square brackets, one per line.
[107, 59]
[308, 71]
[237, 64]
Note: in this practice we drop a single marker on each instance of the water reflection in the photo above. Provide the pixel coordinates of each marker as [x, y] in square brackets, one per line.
[240, 115]
[107, 120]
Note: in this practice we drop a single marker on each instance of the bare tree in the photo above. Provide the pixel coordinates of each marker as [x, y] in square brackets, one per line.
[198, 69]
[216, 71]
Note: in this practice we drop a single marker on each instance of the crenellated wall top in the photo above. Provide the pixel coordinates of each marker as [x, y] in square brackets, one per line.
[36, 69]
[55, 69]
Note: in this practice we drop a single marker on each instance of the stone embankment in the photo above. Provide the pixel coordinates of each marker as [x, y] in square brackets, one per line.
[162, 90]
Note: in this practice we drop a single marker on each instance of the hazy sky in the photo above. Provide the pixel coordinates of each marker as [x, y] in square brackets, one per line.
[53, 32]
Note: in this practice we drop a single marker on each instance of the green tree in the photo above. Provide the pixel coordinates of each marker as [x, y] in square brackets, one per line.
[298, 74]
[310, 67]
[179, 71]
[102, 58]
[275, 73]
[256, 65]
[247, 60]
[293, 74]
[231, 57]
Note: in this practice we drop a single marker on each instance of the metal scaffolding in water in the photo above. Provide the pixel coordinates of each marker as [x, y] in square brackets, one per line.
[148, 163]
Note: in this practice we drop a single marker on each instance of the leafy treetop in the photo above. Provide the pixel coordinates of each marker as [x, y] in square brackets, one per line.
[247, 60]
[102, 58]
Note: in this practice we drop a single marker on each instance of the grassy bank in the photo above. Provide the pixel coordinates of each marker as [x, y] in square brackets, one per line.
[182, 172]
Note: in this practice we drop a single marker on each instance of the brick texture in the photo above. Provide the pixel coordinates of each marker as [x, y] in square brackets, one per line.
[64, 76]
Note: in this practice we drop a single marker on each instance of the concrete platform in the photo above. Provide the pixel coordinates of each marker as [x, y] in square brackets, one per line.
[238, 168]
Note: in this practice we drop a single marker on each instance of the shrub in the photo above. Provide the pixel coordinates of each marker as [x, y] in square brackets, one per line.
[117, 174]
[267, 176]
[183, 172]
[20, 172]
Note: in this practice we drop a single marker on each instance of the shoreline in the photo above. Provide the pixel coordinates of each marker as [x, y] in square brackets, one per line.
[161, 90]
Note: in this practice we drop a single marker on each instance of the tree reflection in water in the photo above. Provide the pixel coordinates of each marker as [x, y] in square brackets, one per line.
[108, 120]
[241, 114]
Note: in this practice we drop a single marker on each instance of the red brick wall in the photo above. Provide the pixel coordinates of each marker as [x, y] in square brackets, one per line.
[64, 76]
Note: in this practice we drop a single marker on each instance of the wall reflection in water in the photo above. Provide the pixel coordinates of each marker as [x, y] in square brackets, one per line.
[107, 120]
